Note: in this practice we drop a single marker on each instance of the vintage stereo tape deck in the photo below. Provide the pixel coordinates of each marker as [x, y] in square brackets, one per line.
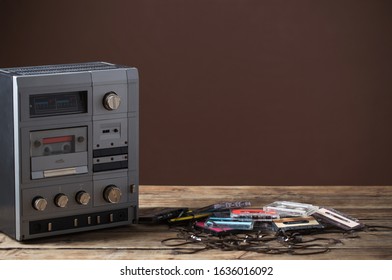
[69, 148]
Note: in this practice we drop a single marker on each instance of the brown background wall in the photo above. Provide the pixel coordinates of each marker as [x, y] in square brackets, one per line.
[234, 92]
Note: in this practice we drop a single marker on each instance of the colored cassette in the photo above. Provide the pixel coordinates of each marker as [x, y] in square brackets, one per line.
[218, 231]
[290, 209]
[229, 223]
[296, 223]
[338, 219]
[254, 214]
[223, 206]
[189, 216]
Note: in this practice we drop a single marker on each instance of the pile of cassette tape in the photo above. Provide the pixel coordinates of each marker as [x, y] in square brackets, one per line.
[238, 226]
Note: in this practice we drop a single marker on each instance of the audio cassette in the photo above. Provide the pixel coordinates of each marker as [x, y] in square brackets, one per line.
[338, 219]
[217, 231]
[296, 223]
[58, 152]
[223, 206]
[290, 209]
[160, 214]
[188, 216]
[214, 222]
[254, 214]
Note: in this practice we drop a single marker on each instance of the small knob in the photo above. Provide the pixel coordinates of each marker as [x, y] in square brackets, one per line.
[111, 101]
[83, 197]
[112, 194]
[61, 200]
[39, 203]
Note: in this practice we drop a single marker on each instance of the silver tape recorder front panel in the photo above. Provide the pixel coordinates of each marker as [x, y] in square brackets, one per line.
[69, 148]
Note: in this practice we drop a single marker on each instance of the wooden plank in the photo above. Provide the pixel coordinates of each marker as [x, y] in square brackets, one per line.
[334, 196]
[128, 254]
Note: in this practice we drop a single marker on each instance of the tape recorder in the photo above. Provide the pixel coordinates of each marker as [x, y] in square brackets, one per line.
[69, 148]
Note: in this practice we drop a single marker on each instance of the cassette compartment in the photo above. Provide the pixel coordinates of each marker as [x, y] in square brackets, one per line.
[58, 152]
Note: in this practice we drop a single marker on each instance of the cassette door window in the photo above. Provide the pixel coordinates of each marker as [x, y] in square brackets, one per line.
[58, 152]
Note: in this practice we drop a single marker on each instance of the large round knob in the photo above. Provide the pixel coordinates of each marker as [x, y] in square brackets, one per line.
[112, 194]
[61, 200]
[83, 197]
[111, 101]
[39, 203]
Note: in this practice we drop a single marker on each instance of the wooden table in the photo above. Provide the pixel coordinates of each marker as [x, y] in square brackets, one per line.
[371, 204]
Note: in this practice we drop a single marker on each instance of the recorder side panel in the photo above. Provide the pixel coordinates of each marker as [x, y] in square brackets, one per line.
[7, 163]
[133, 135]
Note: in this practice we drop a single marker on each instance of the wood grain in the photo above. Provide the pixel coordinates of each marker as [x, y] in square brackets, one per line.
[372, 205]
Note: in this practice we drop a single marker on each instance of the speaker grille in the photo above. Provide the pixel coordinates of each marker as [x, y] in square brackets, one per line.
[62, 68]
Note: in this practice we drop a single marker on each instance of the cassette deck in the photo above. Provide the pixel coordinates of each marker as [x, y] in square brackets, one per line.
[69, 145]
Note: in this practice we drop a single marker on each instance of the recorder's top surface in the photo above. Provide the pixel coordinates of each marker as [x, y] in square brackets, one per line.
[60, 68]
